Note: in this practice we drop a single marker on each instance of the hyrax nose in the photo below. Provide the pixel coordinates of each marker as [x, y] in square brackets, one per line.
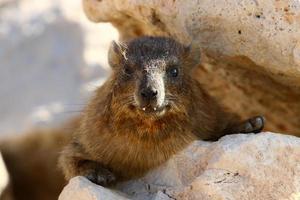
[149, 93]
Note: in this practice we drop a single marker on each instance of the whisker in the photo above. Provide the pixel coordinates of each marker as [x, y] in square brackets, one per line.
[127, 100]
[171, 99]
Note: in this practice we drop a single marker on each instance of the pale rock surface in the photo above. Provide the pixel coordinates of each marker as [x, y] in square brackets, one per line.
[251, 48]
[265, 166]
[81, 188]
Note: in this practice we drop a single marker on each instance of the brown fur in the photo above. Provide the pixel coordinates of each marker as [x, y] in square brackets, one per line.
[114, 140]
[116, 136]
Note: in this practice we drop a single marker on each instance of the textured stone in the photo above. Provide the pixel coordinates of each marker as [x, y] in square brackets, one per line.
[261, 167]
[80, 188]
[251, 59]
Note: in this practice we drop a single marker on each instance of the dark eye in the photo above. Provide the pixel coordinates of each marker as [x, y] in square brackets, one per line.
[173, 72]
[128, 70]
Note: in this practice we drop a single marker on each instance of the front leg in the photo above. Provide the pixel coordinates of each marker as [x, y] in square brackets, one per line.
[97, 173]
[252, 125]
[74, 162]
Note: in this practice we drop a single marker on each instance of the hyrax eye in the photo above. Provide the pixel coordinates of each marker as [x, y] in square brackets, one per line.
[128, 70]
[173, 71]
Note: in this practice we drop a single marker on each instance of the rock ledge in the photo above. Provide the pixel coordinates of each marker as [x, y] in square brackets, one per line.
[263, 166]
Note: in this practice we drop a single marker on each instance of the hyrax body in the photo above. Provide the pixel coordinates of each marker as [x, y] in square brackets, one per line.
[150, 108]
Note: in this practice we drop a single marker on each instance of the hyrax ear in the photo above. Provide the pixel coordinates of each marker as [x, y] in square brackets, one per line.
[192, 54]
[116, 54]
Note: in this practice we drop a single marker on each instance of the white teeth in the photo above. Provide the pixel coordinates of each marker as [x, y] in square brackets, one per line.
[144, 109]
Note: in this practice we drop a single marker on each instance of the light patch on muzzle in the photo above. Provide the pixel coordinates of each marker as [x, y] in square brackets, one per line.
[151, 91]
[159, 84]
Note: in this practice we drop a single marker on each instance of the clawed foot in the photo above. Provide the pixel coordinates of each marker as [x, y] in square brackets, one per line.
[101, 176]
[252, 125]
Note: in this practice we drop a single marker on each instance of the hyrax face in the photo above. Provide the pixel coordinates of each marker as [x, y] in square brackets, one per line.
[152, 74]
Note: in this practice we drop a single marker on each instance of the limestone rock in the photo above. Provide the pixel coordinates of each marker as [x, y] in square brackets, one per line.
[80, 188]
[265, 166]
[251, 48]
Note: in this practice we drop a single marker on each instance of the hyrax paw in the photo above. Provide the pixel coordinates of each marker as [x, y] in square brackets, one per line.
[101, 177]
[254, 124]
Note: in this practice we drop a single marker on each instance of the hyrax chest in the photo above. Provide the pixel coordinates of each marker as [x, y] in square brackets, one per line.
[131, 156]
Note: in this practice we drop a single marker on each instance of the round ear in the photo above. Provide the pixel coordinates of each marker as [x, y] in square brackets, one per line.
[192, 54]
[116, 54]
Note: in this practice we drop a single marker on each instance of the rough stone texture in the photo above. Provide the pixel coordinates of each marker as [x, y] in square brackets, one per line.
[81, 188]
[251, 48]
[261, 167]
[51, 56]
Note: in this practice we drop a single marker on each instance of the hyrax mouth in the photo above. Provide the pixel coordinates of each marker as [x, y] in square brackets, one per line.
[150, 109]
[155, 110]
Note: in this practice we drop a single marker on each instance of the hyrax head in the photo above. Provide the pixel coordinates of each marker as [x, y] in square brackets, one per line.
[152, 74]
